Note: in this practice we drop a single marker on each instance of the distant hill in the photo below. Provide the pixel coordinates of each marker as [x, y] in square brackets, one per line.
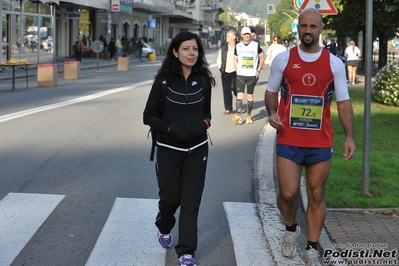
[251, 7]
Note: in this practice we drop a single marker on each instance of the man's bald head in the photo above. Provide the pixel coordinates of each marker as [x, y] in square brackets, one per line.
[310, 12]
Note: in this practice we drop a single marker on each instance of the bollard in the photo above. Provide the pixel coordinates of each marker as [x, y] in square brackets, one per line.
[152, 57]
[123, 63]
[71, 70]
[47, 75]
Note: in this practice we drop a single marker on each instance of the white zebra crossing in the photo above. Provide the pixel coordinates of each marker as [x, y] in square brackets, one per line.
[128, 222]
[20, 217]
[255, 230]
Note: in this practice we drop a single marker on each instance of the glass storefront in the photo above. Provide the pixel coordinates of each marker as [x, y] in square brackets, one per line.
[27, 31]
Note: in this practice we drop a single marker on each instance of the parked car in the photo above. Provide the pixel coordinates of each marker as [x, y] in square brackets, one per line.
[147, 49]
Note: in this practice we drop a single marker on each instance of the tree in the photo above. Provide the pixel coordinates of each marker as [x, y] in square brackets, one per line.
[279, 23]
[385, 23]
[227, 18]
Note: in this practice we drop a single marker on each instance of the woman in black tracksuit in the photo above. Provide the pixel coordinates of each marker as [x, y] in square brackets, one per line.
[179, 109]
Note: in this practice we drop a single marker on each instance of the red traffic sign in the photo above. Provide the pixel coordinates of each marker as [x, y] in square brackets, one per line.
[115, 8]
[323, 6]
[298, 4]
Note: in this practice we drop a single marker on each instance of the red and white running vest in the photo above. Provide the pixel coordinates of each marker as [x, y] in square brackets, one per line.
[306, 95]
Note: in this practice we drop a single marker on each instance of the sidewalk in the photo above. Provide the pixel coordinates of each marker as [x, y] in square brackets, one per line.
[87, 63]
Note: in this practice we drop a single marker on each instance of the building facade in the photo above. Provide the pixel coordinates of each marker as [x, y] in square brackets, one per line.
[41, 30]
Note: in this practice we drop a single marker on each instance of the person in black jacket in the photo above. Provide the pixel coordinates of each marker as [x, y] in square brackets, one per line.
[112, 49]
[179, 109]
[226, 67]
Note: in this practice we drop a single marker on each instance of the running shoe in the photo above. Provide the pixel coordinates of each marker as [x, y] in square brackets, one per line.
[165, 239]
[228, 112]
[237, 119]
[311, 257]
[186, 260]
[288, 247]
[248, 119]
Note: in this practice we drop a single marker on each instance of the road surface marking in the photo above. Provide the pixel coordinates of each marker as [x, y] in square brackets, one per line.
[21, 215]
[256, 231]
[8, 117]
[129, 236]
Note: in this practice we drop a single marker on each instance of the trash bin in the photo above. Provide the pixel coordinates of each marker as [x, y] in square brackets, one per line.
[47, 75]
[71, 70]
[152, 57]
[123, 63]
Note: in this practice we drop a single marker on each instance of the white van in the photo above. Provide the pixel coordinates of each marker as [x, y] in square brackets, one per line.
[147, 49]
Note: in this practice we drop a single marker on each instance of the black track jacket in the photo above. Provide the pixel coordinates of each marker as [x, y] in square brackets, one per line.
[180, 114]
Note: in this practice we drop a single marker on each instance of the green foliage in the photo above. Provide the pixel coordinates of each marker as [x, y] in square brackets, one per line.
[280, 24]
[351, 19]
[161, 50]
[386, 86]
[251, 7]
[344, 185]
[227, 19]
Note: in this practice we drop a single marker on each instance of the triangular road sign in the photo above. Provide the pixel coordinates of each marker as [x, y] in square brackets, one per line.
[298, 4]
[323, 6]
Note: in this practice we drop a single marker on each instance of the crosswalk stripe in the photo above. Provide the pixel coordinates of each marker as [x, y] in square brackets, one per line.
[129, 236]
[274, 229]
[247, 234]
[21, 216]
[256, 230]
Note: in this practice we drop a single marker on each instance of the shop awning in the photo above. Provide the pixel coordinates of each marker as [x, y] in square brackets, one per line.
[57, 2]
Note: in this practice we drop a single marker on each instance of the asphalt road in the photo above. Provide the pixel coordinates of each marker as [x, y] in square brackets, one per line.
[84, 142]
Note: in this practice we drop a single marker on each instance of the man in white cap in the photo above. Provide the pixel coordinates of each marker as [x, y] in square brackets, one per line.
[248, 62]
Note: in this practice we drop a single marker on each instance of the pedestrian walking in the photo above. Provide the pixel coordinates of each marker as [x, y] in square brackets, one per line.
[104, 41]
[306, 76]
[274, 49]
[248, 62]
[352, 54]
[119, 47]
[140, 45]
[179, 110]
[112, 49]
[225, 62]
[78, 49]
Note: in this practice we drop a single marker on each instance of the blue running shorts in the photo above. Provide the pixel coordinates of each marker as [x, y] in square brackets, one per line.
[304, 156]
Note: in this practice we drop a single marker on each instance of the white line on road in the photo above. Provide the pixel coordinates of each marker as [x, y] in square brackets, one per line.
[247, 234]
[8, 117]
[129, 237]
[21, 214]
[257, 230]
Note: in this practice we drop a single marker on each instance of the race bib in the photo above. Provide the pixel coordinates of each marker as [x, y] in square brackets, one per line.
[247, 62]
[306, 112]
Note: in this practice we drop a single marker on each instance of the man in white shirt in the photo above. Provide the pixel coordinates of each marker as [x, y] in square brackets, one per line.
[248, 62]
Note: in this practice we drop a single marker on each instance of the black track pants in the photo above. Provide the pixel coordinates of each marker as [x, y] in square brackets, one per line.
[181, 179]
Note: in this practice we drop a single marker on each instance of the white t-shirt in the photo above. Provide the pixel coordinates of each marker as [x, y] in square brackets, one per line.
[352, 55]
[337, 68]
[248, 58]
[274, 50]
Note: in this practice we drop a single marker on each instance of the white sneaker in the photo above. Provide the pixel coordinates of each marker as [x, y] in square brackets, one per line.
[288, 247]
[311, 257]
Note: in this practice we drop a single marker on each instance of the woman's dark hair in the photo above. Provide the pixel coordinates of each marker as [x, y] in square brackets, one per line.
[171, 66]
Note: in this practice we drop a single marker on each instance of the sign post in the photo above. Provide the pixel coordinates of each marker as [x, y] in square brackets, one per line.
[325, 7]
[97, 47]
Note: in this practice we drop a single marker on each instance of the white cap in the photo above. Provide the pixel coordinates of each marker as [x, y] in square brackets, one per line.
[245, 30]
